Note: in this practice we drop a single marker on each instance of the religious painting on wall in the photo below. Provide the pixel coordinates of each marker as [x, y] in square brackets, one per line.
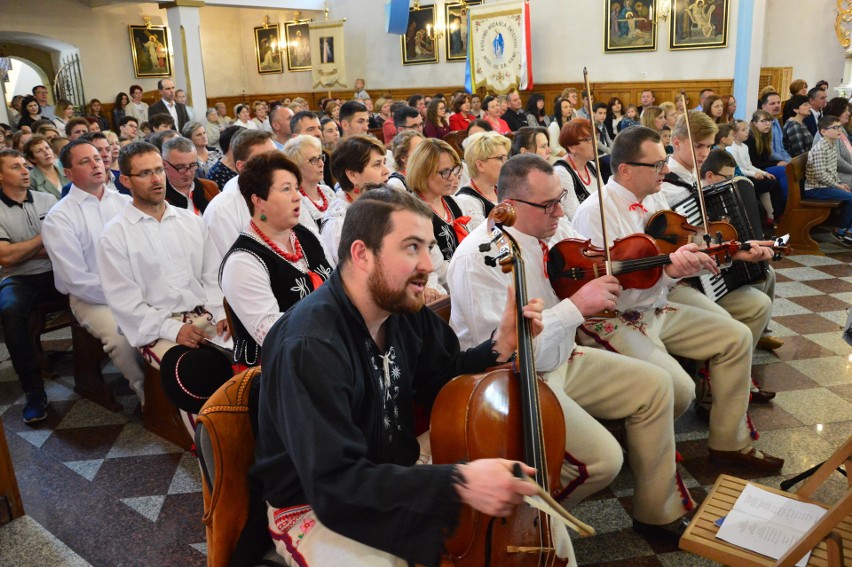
[416, 46]
[150, 48]
[267, 49]
[455, 24]
[328, 55]
[699, 24]
[298, 45]
[629, 26]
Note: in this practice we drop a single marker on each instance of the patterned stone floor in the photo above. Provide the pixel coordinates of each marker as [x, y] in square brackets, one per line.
[100, 490]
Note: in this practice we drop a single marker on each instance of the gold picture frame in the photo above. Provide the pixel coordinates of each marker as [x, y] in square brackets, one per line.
[416, 46]
[298, 37]
[628, 26]
[149, 46]
[455, 29]
[699, 24]
[267, 49]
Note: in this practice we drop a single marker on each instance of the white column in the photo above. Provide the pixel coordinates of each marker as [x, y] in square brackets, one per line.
[4, 110]
[184, 25]
[751, 22]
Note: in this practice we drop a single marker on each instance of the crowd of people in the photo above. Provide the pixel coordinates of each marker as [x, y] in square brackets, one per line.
[324, 243]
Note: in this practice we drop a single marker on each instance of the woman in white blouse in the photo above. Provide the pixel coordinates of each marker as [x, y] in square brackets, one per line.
[576, 171]
[275, 262]
[306, 152]
[484, 153]
[243, 114]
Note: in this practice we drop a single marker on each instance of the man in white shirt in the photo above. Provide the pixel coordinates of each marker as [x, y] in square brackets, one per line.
[649, 327]
[70, 232]
[747, 304]
[604, 384]
[227, 214]
[159, 274]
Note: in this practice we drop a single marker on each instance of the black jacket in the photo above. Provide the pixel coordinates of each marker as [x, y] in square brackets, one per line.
[336, 422]
[159, 107]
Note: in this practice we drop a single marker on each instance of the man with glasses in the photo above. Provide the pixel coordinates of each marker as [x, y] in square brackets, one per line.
[588, 382]
[159, 270]
[821, 179]
[183, 188]
[71, 230]
[650, 327]
[407, 118]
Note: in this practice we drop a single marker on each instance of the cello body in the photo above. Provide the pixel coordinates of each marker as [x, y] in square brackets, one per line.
[481, 417]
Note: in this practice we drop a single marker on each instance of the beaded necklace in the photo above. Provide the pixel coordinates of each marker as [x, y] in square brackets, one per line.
[294, 242]
[320, 208]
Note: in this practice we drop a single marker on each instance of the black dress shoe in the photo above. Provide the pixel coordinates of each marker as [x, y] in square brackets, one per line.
[668, 533]
[761, 396]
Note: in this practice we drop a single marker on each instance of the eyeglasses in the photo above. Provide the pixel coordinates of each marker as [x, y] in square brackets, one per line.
[586, 139]
[503, 158]
[317, 159]
[411, 127]
[549, 206]
[658, 166]
[183, 168]
[146, 174]
[837, 127]
[446, 173]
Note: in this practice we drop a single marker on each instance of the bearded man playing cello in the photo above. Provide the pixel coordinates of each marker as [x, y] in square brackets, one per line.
[587, 382]
[341, 371]
[650, 327]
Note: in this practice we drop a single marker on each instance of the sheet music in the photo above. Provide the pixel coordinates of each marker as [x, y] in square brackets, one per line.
[768, 523]
[220, 342]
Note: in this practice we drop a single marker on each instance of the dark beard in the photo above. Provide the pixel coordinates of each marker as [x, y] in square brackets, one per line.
[394, 301]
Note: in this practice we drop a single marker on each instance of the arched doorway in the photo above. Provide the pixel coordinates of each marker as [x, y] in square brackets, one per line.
[23, 76]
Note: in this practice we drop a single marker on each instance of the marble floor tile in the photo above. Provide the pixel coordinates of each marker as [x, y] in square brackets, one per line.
[797, 348]
[819, 303]
[782, 306]
[804, 274]
[832, 341]
[797, 289]
[25, 543]
[839, 270]
[832, 286]
[809, 260]
[780, 377]
[828, 371]
[807, 322]
[837, 317]
[814, 406]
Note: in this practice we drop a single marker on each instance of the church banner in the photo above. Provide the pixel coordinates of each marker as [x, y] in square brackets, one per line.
[327, 56]
[499, 53]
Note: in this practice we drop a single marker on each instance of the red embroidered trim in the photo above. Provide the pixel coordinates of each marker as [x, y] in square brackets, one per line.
[577, 482]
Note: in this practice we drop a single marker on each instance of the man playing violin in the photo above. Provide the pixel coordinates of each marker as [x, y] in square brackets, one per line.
[587, 382]
[748, 305]
[650, 327]
[341, 372]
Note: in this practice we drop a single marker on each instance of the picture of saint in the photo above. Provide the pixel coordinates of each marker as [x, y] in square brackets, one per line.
[267, 46]
[298, 46]
[326, 49]
[416, 45]
[629, 26]
[149, 46]
[699, 23]
[456, 23]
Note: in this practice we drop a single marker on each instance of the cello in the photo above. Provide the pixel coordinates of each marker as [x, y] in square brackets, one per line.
[510, 414]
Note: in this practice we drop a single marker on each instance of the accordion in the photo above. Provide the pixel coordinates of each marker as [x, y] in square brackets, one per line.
[733, 201]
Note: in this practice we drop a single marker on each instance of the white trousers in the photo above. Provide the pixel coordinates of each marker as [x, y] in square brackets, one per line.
[301, 539]
[99, 322]
[686, 331]
[599, 384]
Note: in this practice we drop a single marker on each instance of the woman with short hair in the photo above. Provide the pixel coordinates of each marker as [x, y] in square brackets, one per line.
[484, 153]
[243, 117]
[45, 176]
[137, 108]
[275, 262]
[207, 154]
[213, 127]
[491, 104]
[401, 147]
[576, 172]
[306, 152]
[461, 117]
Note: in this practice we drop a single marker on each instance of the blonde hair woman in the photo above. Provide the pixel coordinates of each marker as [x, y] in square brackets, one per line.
[484, 153]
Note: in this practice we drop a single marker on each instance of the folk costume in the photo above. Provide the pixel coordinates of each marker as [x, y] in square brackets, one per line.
[336, 423]
[587, 382]
[261, 281]
[650, 327]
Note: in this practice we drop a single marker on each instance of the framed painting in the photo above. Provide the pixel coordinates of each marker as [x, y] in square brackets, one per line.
[149, 46]
[699, 24]
[455, 29]
[298, 45]
[267, 49]
[416, 46]
[629, 26]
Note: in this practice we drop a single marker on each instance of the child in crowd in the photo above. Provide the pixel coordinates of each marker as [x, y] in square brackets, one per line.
[666, 137]
[821, 179]
[631, 117]
[360, 93]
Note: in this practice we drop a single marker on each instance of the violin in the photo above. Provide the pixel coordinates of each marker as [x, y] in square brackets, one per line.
[671, 231]
[509, 414]
[636, 260]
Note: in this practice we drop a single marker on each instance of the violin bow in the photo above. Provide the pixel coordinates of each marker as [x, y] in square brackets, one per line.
[607, 258]
[695, 169]
[551, 507]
